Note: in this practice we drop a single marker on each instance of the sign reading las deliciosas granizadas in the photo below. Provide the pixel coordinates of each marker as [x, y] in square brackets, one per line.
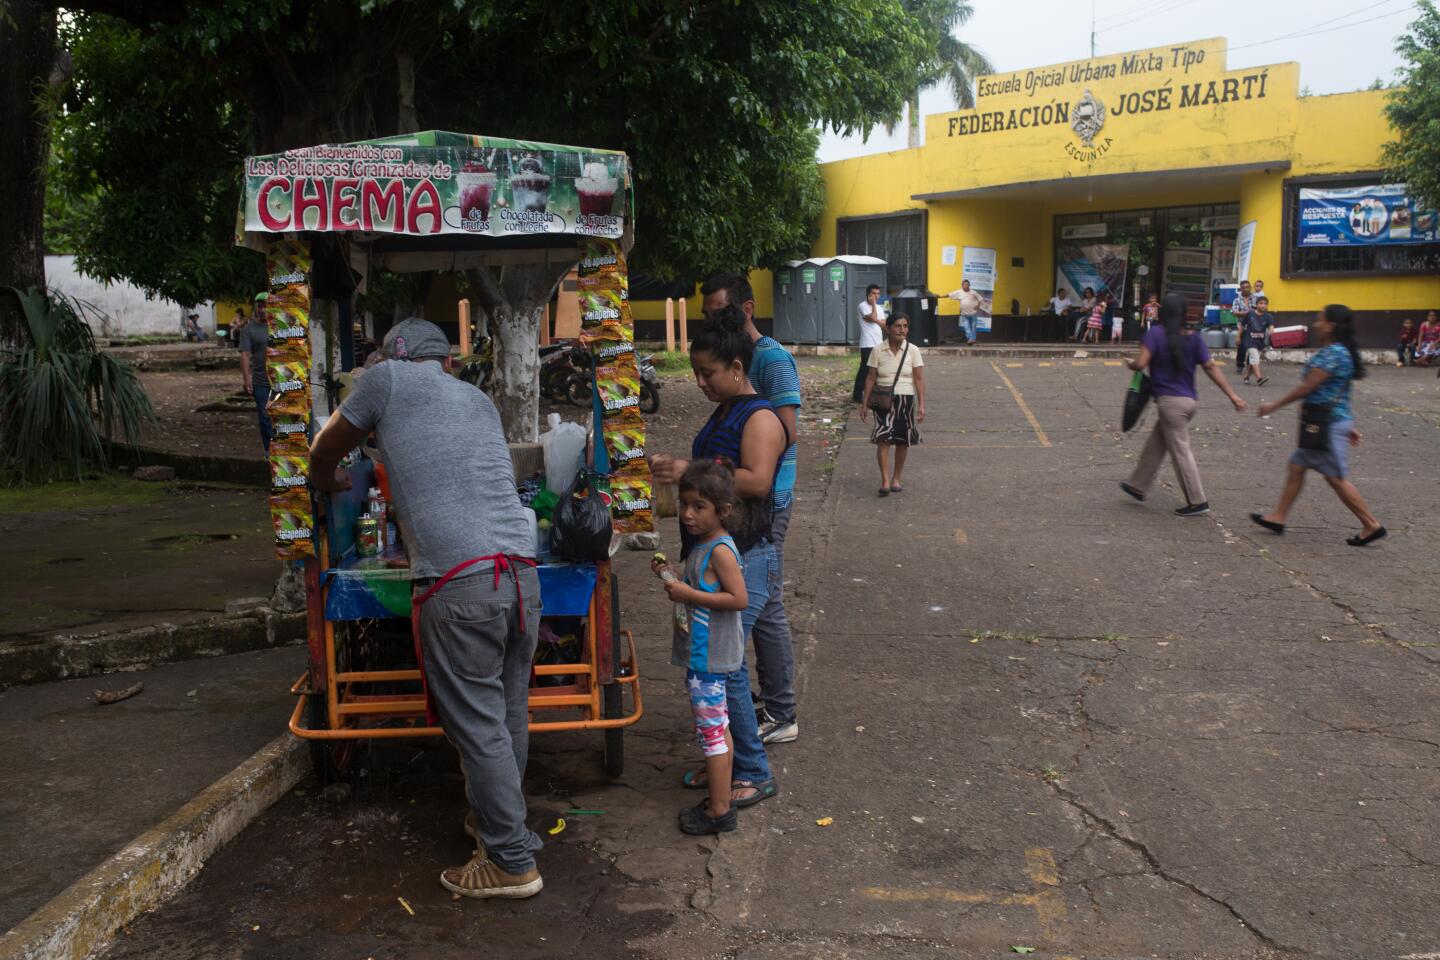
[439, 183]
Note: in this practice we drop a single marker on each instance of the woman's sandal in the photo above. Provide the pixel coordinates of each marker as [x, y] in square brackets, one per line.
[1365, 541]
[1276, 528]
[896, 488]
[692, 780]
[883, 492]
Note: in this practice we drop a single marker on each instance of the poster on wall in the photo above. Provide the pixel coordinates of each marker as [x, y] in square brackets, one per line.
[1099, 266]
[978, 267]
[1244, 246]
[1222, 264]
[1382, 213]
[1187, 272]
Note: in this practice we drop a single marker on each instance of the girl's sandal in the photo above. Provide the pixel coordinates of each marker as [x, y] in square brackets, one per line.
[763, 791]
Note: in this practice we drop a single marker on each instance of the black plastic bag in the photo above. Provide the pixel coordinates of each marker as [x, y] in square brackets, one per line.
[1135, 399]
[580, 525]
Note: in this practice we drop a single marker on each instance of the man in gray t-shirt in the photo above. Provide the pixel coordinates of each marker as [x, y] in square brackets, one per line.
[253, 338]
[454, 495]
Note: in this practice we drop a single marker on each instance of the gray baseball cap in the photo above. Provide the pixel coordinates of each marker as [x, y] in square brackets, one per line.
[415, 339]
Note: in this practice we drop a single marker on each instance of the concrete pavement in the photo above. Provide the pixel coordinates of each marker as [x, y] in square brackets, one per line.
[1037, 713]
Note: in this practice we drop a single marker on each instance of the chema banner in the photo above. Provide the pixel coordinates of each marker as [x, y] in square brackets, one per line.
[439, 183]
[1099, 266]
[1383, 213]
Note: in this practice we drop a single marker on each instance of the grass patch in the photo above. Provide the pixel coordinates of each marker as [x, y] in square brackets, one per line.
[104, 490]
[672, 361]
[1052, 774]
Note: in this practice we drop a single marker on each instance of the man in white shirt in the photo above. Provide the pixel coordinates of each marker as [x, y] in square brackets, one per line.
[969, 309]
[872, 334]
[1060, 303]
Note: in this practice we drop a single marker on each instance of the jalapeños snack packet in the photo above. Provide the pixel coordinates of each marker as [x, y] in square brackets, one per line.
[289, 463]
[293, 519]
[624, 441]
[288, 261]
[599, 256]
[287, 314]
[289, 388]
[630, 503]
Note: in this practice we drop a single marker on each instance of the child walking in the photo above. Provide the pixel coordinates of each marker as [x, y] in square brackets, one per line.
[1150, 313]
[1117, 326]
[709, 641]
[1096, 322]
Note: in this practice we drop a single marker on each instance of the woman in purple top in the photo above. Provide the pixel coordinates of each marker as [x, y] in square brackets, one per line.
[1171, 350]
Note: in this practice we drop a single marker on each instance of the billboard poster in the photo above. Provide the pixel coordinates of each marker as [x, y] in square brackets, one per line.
[1244, 246]
[1380, 214]
[1099, 266]
[439, 183]
[1187, 272]
[978, 266]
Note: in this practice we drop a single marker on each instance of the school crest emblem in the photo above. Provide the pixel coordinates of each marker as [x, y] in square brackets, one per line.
[1087, 117]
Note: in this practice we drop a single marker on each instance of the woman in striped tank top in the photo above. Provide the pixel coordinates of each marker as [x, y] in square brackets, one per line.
[744, 429]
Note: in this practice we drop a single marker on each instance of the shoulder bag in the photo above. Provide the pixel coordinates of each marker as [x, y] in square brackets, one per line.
[1315, 419]
[882, 398]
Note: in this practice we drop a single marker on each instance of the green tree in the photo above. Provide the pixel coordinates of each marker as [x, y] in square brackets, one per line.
[1413, 108]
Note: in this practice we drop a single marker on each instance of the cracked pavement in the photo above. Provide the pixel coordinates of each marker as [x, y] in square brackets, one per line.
[1038, 713]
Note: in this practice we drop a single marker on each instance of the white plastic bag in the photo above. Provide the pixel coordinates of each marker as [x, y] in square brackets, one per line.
[564, 445]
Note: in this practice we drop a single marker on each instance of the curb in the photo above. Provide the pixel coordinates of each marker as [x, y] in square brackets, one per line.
[155, 865]
[67, 657]
[200, 469]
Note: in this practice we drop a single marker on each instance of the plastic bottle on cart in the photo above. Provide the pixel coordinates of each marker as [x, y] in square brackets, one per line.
[377, 508]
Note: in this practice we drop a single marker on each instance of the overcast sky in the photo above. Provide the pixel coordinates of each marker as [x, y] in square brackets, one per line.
[1345, 46]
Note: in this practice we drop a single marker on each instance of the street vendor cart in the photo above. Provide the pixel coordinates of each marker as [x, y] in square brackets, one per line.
[515, 217]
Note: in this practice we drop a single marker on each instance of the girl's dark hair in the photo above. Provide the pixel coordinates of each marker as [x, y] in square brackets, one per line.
[723, 336]
[715, 481]
[1172, 315]
[1339, 316]
[895, 318]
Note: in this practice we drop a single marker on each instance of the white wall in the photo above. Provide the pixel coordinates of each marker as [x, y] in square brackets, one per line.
[131, 313]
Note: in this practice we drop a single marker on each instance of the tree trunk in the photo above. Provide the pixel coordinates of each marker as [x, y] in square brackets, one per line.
[515, 298]
[913, 109]
[27, 54]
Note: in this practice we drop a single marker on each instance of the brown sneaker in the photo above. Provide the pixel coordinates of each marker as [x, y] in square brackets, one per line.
[474, 834]
[481, 879]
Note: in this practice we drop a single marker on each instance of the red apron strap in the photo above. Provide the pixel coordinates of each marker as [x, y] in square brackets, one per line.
[503, 563]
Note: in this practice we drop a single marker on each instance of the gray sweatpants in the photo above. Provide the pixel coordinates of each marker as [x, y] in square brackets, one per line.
[774, 649]
[477, 664]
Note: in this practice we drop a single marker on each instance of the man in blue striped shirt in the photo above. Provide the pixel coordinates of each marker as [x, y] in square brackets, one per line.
[773, 374]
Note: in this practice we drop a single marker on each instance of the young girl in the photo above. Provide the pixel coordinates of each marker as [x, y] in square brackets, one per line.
[709, 641]
[1150, 313]
[1117, 327]
[1096, 323]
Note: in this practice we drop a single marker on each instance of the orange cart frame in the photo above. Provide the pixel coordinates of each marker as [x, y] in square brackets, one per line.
[349, 714]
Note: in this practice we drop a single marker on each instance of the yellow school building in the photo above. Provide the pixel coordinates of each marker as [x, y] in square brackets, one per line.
[1152, 169]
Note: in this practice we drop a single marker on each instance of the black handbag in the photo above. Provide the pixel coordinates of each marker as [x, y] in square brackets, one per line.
[882, 398]
[1315, 420]
[1139, 394]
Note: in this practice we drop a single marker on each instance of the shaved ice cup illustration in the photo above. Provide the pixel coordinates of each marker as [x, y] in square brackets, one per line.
[596, 189]
[530, 186]
[476, 187]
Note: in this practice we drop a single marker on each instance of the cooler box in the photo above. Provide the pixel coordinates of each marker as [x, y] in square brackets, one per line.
[1288, 338]
[1227, 319]
[1228, 293]
[1212, 315]
[1214, 338]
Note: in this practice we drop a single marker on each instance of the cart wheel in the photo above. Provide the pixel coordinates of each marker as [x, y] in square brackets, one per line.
[612, 698]
[333, 760]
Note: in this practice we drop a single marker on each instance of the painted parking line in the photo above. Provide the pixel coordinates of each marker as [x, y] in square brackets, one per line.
[1114, 363]
[1020, 401]
[1046, 363]
[1044, 897]
[1014, 364]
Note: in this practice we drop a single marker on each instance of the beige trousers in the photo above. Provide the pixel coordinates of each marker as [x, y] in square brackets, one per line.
[1172, 435]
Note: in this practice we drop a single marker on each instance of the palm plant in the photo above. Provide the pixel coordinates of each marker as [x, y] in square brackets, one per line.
[956, 63]
[61, 398]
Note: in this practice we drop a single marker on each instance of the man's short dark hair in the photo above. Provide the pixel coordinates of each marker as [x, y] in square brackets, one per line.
[873, 286]
[1262, 297]
[736, 286]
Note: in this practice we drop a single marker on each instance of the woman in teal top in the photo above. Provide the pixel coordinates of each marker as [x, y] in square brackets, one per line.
[1326, 415]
